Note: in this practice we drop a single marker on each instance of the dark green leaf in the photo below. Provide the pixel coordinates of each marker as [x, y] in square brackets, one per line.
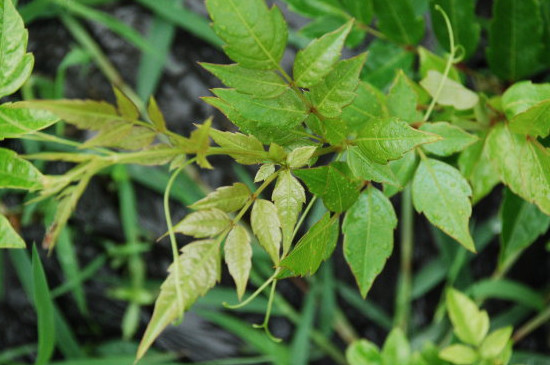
[8, 236]
[366, 169]
[385, 59]
[314, 8]
[16, 173]
[398, 21]
[402, 99]
[403, 169]
[369, 104]
[454, 139]
[361, 10]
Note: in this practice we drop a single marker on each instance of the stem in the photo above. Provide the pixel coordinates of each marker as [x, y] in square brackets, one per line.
[532, 325]
[255, 294]
[404, 288]
[265, 323]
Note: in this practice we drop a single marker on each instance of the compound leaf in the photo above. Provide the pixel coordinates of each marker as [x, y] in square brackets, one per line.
[469, 323]
[204, 223]
[8, 237]
[454, 139]
[238, 257]
[17, 173]
[267, 227]
[226, 198]
[246, 150]
[397, 20]
[15, 122]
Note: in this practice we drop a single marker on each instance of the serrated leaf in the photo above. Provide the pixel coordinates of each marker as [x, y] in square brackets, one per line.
[227, 198]
[369, 104]
[315, 61]
[277, 153]
[535, 121]
[17, 173]
[289, 196]
[522, 96]
[204, 223]
[515, 38]
[397, 20]
[300, 156]
[452, 94]
[522, 222]
[246, 150]
[384, 61]
[125, 106]
[15, 65]
[199, 268]
[255, 37]
[368, 236]
[15, 122]
[366, 169]
[402, 99]
[403, 169]
[322, 25]
[466, 29]
[333, 184]
[260, 83]
[238, 257]
[267, 227]
[454, 139]
[334, 131]
[396, 349]
[337, 89]
[314, 247]
[459, 354]
[8, 237]
[200, 142]
[522, 164]
[363, 352]
[495, 343]
[387, 139]
[470, 324]
[265, 171]
[430, 61]
[121, 135]
[443, 195]
[314, 8]
[156, 115]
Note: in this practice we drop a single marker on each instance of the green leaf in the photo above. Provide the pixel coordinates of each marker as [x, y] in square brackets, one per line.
[459, 354]
[16, 173]
[15, 122]
[121, 135]
[313, 8]
[396, 19]
[522, 222]
[333, 184]
[260, 83]
[443, 195]
[363, 352]
[8, 237]
[369, 104]
[16, 65]
[267, 227]
[452, 94]
[366, 169]
[314, 247]
[515, 38]
[255, 37]
[334, 131]
[246, 150]
[368, 236]
[315, 62]
[360, 9]
[199, 268]
[125, 105]
[402, 99]
[300, 156]
[156, 115]
[43, 305]
[495, 343]
[387, 139]
[204, 223]
[396, 349]
[403, 169]
[454, 140]
[384, 61]
[199, 142]
[430, 61]
[469, 323]
[466, 29]
[523, 95]
[523, 165]
[227, 198]
[265, 171]
[337, 89]
[288, 196]
[535, 121]
[238, 256]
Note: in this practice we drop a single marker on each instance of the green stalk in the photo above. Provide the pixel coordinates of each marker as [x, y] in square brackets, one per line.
[532, 325]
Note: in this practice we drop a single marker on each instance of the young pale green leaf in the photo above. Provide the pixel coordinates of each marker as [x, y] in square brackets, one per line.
[387, 139]
[265, 171]
[17, 173]
[535, 121]
[315, 61]
[336, 91]
[368, 236]
[199, 268]
[121, 135]
[470, 324]
[495, 343]
[300, 156]
[515, 38]
[277, 153]
[366, 169]
[44, 310]
[156, 115]
[204, 223]
[238, 257]
[15, 122]
[314, 247]
[522, 96]
[363, 352]
[402, 99]
[466, 29]
[369, 104]
[333, 184]
[8, 237]
[522, 164]
[522, 223]
[267, 227]
[199, 142]
[454, 139]
[396, 349]
[227, 198]
[459, 354]
[443, 195]
[477, 168]
[289, 196]
[452, 94]
[403, 169]
[15, 65]
[384, 61]
[125, 105]
[260, 83]
[255, 36]
[397, 20]
[246, 150]
[430, 61]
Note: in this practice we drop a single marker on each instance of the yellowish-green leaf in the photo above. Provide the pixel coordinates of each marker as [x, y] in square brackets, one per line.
[452, 93]
[17, 173]
[495, 343]
[246, 150]
[226, 198]
[535, 121]
[156, 115]
[121, 135]
[430, 61]
[15, 122]
[459, 354]
[300, 156]
[267, 227]
[289, 196]
[125, 106]
[363, 352]
[200, 141]
[204, 223]
[402, 99]
[265, 171]
[470, 324]
[238, 257]
[454, 140]
[8, 237]
[522, 96]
